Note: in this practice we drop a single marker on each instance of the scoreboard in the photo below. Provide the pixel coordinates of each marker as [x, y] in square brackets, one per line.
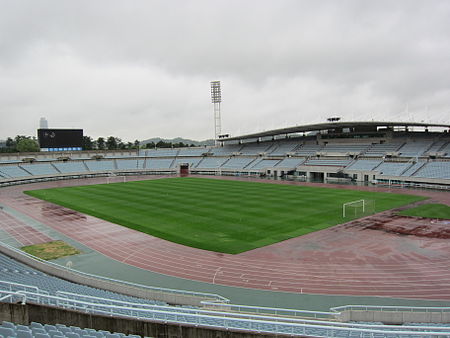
[60, 139]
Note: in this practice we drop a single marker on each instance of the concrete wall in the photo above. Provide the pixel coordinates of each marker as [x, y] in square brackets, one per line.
[73, 276]
[25, 314]
[394, 317]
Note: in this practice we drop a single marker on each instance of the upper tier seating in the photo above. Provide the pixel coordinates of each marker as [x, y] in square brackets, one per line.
[345, 148]
[415, 148]
[284, 147]
[237, 163]
[364, 165]
[446, 149]
[162, 152]
[12, 171]
[256, 148]
[100, 165]
[379, 150]
[70, 167]
[308, 149]
[192, 151]
[40, 169]
[227, 150]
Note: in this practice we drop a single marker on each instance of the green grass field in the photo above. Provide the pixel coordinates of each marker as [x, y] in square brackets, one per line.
[217, 215]
[429, 211]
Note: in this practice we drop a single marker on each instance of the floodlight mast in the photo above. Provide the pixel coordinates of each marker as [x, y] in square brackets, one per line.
[216, 98]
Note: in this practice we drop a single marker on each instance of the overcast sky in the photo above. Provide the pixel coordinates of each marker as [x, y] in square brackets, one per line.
[142, 69]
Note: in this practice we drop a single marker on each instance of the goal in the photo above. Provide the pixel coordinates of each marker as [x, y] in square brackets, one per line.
[358, 208]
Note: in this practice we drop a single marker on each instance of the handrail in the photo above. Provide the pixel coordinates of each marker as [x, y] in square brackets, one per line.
[261, 324]
[263, 309]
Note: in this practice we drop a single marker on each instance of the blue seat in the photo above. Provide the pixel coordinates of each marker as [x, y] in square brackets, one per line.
[24, 334]
[7, 332]
[8, 324]
[42, 335]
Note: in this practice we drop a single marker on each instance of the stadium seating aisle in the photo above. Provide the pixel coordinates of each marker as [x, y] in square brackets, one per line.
[38, 330]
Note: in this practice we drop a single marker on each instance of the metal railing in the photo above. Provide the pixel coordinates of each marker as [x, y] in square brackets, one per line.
[229, 320]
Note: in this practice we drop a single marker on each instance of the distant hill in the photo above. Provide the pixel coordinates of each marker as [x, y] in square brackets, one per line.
[178, 140]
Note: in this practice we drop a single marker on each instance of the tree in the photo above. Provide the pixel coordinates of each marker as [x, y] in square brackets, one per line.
[87, 143]
[27, 145]
[136, 144]
[111, 143]
[101, 143]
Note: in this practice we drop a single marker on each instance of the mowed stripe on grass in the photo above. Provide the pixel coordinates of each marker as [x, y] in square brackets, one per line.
[217, 215]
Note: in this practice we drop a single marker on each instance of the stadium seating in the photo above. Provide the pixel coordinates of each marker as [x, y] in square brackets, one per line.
[413, 168]
[159, 163]
[193, 151]
[193, 161]
[129, 164]
[415, 148]
[364, 165]
[162, 153]
[380, 150]
[13, 171]
[237, 163]
[327, 162]
[440, 170]
[227, 150]
[290, 162]
[38, 330]
[392, 168]
[70, 167]
[211, 163]
[40, 169]
[100, 165]
[265, 164]
[15, 272]
[308, 149]
[256, 148]
[283, 147]
[345, 148]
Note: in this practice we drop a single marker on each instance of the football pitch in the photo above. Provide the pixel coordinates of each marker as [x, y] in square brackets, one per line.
[217, 215]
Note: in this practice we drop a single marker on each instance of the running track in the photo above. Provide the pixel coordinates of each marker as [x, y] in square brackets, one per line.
[348, 259]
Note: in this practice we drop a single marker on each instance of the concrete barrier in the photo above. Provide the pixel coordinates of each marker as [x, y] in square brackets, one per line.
[394, 317]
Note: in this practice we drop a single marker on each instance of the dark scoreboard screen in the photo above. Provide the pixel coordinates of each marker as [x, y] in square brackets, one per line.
[60, 139]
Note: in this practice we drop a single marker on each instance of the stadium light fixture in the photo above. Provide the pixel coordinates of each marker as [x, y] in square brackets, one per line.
[216, 98]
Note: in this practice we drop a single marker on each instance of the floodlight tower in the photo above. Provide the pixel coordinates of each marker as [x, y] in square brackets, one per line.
[216, 98]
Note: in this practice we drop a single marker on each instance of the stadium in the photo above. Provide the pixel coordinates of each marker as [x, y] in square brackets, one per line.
[336, 229]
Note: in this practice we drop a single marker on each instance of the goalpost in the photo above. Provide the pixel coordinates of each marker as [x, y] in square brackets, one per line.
[358, 208]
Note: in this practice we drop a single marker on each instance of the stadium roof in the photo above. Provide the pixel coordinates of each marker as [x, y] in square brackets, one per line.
[332, 125]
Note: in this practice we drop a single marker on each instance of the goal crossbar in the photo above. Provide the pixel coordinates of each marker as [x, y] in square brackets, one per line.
[358, 202]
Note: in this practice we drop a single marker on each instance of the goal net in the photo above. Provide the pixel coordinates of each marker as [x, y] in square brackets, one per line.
[358, 208]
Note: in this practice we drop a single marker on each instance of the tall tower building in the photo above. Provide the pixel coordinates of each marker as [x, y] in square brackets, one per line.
[43, 124]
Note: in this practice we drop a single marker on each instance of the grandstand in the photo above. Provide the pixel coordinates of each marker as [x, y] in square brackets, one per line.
[365, 153]
[378, 152]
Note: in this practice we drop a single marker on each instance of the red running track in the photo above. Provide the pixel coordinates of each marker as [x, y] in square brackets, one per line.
[348, 259]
